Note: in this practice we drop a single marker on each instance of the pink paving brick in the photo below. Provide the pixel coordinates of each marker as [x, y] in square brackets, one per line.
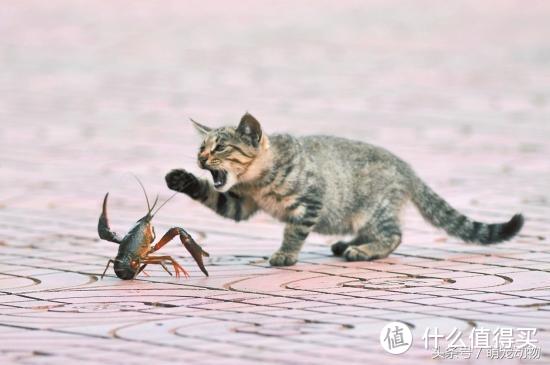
[92, 92]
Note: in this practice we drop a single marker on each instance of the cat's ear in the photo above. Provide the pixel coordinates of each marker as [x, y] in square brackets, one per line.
[202, 129]
[250, 128]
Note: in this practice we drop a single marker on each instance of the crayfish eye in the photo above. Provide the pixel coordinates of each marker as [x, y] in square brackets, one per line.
[134, 264]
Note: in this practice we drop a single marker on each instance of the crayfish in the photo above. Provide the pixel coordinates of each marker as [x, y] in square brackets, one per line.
[135, 248]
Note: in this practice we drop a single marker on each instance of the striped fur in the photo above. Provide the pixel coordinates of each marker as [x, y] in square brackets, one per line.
[321, 184]
[438, 212]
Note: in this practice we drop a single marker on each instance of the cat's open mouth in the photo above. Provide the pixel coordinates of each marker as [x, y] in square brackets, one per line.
[219, 177]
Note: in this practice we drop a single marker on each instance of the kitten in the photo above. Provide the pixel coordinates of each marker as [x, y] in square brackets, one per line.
[322, 184]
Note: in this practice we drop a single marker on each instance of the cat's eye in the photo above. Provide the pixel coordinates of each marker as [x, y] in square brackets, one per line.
[220, 147]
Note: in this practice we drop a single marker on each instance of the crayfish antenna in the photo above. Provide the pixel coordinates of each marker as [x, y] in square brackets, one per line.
[163, 204]
[154, 204]
[144, 192]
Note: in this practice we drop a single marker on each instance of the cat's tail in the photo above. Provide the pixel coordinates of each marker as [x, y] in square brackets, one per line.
[438, 212]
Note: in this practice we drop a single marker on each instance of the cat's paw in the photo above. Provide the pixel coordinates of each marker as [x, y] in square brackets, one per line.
[182, 181]
[366, 252]
[357, 253]
[281, 258]
[339, 247]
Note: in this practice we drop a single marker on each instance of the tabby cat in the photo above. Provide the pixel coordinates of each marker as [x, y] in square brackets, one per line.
[323, 184]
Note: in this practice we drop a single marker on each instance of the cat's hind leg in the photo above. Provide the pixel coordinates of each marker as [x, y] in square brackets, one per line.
[383, 238]
[339, 247]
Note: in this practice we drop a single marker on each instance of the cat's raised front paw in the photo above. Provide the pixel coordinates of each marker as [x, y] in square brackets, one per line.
[281, 258]
[182, 181]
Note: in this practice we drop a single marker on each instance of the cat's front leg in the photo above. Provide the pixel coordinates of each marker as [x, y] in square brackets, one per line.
[301, 218]
[187, 183]
[294, 237]
[229, 205]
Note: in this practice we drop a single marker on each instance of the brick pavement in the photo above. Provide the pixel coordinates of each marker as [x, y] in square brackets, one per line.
[93, 91]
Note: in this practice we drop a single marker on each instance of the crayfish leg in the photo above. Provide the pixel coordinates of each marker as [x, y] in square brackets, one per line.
[106, 267]
[188, 242]
[159, 260]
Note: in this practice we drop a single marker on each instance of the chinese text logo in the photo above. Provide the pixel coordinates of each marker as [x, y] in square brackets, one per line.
[396, 338]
